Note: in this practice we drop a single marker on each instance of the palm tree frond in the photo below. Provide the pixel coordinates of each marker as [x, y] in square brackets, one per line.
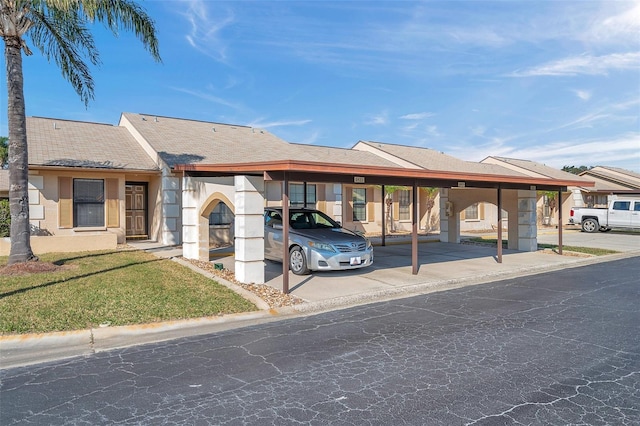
[62, 36]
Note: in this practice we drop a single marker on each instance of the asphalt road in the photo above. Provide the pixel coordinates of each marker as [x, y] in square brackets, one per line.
[558, 348]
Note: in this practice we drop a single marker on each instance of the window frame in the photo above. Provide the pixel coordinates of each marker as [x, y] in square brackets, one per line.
[359, 204]
[81, 219]
[296, 195]
[473, 207]
[404, 204]
[222, 215]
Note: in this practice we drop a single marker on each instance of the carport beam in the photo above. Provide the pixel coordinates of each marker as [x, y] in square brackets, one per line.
[414, 229]
[499, 224]
[384, 213]
[559, 207]
[285, 235]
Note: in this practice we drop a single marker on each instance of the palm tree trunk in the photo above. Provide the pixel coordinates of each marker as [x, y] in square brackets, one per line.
[18, 156]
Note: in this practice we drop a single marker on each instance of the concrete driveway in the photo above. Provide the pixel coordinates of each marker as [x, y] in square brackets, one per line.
[613, 240]
[442, 265]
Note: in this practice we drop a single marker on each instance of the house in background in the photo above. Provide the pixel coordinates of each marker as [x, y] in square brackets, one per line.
[610, 183]
[547, 204]
[4, 184]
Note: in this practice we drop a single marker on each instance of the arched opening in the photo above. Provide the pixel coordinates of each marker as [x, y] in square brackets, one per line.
[219, 217]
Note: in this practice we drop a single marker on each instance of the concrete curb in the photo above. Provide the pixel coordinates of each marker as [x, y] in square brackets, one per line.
[27, 349]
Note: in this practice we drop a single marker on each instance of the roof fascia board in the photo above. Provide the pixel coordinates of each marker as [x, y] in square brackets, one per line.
[364, 170]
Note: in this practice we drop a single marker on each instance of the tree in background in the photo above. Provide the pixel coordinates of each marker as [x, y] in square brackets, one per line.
[388, 202]
[60, 30]
[4, 151]
[576, 170]
[431, 194]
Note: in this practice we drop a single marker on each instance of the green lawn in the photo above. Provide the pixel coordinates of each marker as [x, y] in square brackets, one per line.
[113, 287]
[554, 247]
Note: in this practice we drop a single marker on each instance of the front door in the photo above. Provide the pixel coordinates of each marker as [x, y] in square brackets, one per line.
[136, 209]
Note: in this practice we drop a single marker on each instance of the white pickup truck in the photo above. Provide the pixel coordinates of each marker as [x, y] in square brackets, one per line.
[622, 213]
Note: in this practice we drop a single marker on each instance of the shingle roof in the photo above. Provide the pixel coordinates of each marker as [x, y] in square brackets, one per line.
[55, 142]
[533, 168]
[430, 159]
[184, 141]
[614, 178]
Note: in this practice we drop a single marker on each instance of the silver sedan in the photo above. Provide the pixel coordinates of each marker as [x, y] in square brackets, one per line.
[316, 242]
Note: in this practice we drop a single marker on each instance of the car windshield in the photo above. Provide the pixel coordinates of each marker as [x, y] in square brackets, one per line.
[311, 220]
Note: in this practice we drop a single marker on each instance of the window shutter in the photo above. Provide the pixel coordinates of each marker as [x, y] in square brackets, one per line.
[321, 198]
[65, 202]
[463, 214]
[113, 208]
[481, 211]
[371, 206]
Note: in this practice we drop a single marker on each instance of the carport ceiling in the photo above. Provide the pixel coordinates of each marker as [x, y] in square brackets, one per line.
[308, 171]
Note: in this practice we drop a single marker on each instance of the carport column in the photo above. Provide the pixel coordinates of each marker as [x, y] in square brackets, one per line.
[449, 229]
[249, 229]
[527, 228]
[190, 232]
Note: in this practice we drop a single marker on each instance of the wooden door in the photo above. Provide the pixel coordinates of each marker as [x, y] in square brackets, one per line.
[136, 209]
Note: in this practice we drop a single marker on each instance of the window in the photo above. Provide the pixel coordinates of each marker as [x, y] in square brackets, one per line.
[359, 204]
[296, 195]
[621, 205]
[88, 203]
[471, 212]
[221, 215]
[404, 203]
[636, 206]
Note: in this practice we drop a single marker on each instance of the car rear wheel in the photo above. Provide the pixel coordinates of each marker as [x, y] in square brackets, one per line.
[590, 225]
[298, 261]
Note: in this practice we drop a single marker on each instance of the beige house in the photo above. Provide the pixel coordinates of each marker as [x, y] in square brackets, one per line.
[197, 184]
[547, 204]
[4, 184]
[610, 183]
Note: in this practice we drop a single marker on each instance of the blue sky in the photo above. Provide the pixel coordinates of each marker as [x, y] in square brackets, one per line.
[556, 82]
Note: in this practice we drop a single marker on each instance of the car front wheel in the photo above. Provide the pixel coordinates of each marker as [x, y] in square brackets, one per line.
[298, 261]
[590, 225]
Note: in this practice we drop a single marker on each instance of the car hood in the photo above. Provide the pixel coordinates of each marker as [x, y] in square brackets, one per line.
[328, 235]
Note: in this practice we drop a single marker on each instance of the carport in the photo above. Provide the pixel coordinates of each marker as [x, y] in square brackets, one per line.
[520, 190]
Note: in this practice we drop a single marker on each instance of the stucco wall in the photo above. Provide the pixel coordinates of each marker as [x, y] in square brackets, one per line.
[44, 200]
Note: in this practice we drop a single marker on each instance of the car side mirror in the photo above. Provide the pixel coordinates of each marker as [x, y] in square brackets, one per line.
[338, 222]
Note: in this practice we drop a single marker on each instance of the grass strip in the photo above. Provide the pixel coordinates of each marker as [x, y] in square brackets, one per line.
[109, 287]
[586, 250]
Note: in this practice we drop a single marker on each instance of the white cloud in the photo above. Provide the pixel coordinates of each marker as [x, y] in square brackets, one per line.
[284, 123]
[624, 25]
[204, 34]
[210, 98]
[619, 151]
[585, 95]
[584, 64]
[378, 120]
[417, 116]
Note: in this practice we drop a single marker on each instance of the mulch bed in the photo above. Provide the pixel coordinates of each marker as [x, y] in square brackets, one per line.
[26, 268]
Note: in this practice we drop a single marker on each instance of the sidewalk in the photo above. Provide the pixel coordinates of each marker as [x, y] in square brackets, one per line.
[443, 266]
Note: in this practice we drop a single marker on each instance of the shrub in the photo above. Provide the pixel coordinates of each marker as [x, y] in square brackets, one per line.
[5, 218]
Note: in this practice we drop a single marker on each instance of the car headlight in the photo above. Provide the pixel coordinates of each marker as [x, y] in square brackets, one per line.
[321, 246]
[369, 245]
